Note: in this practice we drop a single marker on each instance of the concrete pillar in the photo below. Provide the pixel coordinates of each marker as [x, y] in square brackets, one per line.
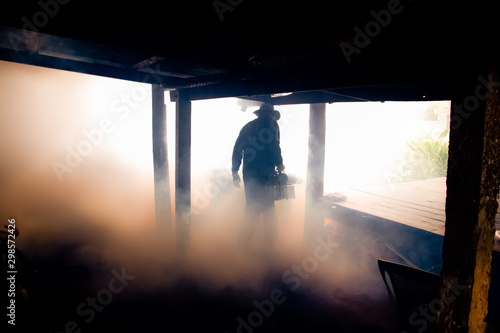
[160, 160]
[183, 171]
[314, 212]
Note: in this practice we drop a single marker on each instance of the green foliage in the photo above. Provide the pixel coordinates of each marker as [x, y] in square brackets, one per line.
[425, 158]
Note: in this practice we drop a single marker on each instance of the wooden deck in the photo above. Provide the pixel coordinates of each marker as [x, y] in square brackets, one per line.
[408, 218]
[419, 204]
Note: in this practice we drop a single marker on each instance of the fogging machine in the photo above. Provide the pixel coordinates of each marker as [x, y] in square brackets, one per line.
[280, 186]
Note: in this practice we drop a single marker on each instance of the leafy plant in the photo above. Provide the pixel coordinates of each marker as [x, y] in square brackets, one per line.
[426, 157]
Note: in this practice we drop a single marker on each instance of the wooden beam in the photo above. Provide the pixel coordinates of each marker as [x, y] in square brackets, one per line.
[98, 59]
[163, 207]
[359, 94]
[208, 82]
[314, 219]
[488, 205]
[473, 183]
[183, 170]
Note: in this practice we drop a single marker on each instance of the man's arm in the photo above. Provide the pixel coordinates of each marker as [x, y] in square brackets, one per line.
[237, 154]
[276, 149]
[236, 160]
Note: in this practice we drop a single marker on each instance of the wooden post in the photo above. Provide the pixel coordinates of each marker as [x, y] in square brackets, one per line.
[183, 170]
[314, 212]
[472, 189]
[160, 160]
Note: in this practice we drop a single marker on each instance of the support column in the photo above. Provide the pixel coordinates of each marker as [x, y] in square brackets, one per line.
[314, 212]
[163, 209]
[183, 170]
[473, 182]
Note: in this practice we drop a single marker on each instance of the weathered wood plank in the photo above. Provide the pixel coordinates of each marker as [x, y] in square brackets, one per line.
[395, 207]
[408, 198]
[420, 223]
[419, 204]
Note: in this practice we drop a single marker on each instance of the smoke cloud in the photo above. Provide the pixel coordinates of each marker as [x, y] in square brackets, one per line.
[81, 227]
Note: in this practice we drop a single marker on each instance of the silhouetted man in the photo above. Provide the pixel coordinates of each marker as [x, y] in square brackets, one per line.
[258, 145]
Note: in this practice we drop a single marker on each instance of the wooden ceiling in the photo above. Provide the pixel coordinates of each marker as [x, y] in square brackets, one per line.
[327, 51]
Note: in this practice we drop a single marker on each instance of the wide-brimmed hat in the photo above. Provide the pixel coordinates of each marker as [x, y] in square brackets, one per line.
[265, 109]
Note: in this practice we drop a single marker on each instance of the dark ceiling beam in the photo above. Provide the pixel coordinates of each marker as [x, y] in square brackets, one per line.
[399, 92]
[320, 91]
[359, 94]
[148, 62]
[235, 85]
[142, 75]
[19, 45]
[76, 66]
[299, 97]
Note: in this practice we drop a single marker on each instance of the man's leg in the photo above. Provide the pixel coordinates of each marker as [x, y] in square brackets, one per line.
[249, 223]
[252, 211]
[270, 228]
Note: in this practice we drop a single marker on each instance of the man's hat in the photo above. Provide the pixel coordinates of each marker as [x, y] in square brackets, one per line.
[265, 109]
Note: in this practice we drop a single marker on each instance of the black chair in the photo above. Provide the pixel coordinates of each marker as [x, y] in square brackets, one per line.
[409, 288]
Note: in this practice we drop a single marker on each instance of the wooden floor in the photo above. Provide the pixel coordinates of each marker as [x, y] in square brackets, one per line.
[408, 218]
[419, 204]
